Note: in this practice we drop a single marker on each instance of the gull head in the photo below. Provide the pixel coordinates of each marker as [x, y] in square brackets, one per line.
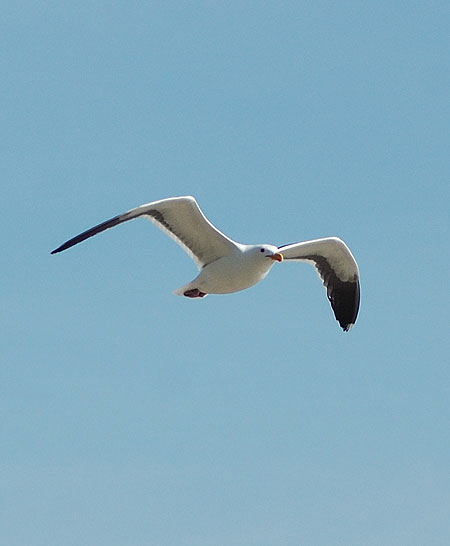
[267, 251]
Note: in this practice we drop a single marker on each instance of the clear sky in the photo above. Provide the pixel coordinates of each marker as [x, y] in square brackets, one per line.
[132, 417]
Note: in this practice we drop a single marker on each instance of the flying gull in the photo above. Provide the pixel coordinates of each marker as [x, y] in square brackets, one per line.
[227, 266]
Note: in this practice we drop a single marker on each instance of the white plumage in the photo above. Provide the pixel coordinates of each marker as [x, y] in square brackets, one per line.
[227, 266]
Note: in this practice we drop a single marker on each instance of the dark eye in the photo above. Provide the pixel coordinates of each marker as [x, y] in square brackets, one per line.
[262, 250]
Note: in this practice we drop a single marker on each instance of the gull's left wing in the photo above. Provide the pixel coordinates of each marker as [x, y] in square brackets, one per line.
[338, 270]
[182, 220]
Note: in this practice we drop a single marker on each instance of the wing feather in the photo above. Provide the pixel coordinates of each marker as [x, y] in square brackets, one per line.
[182, 220]
[338, 271]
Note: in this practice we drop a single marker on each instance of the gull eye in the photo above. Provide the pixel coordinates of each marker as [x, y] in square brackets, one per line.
[262, 249]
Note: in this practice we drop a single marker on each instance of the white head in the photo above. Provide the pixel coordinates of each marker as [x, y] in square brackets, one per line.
[264, 253]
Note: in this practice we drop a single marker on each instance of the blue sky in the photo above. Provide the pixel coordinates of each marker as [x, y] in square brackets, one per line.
[132, 417]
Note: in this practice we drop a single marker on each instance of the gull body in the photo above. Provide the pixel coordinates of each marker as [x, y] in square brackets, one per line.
[243, 269]
[227, 266]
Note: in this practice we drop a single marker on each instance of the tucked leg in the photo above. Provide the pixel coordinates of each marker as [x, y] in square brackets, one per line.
[194, 293]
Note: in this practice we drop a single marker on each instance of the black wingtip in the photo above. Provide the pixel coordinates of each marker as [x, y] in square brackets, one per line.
[344, 298]
[62, 247]
[90, 232]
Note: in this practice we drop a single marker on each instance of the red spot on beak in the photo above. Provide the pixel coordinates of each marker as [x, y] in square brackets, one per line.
[277, 257]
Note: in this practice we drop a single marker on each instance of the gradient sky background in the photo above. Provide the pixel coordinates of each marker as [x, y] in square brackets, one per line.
[131, 417]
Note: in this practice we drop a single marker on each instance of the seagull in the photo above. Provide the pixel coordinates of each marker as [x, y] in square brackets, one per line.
[227, 266]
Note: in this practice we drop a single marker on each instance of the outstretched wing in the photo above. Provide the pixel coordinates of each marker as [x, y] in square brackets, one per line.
[182, 220]
[338, 270]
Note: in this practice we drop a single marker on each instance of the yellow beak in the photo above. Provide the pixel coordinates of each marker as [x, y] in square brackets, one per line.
[277, 257]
